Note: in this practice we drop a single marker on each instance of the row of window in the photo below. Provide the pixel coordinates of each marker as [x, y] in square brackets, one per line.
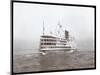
[58, 47]
[48, 37]
[53, 43]
[51, 40]
[48, 43]
[47, 40]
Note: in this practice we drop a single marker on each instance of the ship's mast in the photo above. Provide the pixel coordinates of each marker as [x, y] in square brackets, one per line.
[60, 28]
[43, 27]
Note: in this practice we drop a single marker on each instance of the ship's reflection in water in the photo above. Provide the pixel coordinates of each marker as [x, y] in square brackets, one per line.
[54, 61]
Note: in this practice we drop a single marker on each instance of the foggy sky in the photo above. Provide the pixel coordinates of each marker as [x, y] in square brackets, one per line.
[28, 24]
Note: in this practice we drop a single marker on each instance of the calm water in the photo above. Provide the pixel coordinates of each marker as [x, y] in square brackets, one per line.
[25, 52]
[53, 61]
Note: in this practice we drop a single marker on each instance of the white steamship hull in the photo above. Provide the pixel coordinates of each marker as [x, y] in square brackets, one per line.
[54, 43]
[44, 51]
[54, 49]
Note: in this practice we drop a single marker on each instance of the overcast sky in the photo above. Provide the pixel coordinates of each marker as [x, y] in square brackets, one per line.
[28, 23]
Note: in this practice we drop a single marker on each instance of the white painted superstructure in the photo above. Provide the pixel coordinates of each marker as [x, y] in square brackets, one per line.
[55, 43]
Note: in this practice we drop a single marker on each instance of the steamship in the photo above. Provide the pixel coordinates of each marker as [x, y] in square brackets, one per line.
[54, 43]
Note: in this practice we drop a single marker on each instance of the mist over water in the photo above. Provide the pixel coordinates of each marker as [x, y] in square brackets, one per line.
[31, 47]
[28, 25]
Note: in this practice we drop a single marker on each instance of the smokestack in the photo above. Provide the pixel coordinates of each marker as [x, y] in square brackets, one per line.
[66, 34]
